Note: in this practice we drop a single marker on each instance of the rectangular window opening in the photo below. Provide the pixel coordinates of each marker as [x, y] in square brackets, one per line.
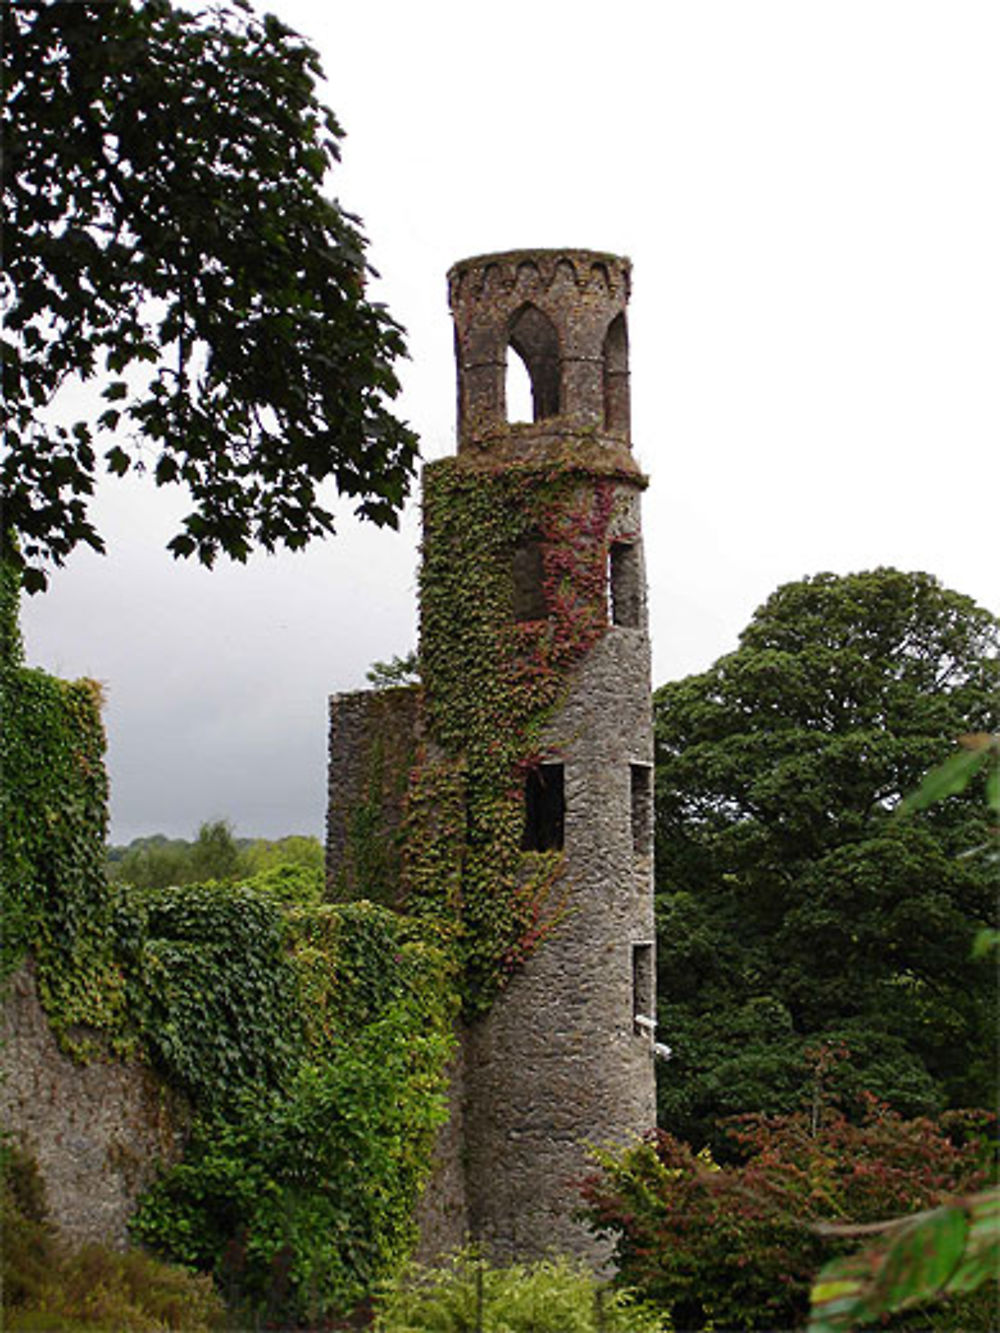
[641, 776]
[544, 809]
[643, 992]
[528, 570]
[624, 585]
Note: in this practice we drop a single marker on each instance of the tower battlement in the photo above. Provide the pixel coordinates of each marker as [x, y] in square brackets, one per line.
[563, 312]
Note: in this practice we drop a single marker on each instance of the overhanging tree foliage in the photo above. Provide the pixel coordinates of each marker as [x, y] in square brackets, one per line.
[793, 907]
[167, 234]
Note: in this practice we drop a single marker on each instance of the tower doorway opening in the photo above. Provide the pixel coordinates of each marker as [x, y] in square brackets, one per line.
[624, 585]
[614, 355]
[643, 990]
[528, 571]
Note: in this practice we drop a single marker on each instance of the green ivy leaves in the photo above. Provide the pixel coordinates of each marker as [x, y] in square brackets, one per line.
[311, 1040]
[490, 684]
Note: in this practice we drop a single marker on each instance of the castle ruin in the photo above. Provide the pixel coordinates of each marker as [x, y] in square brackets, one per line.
[507, 799]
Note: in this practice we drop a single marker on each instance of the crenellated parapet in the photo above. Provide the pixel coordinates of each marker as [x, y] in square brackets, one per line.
[564, 313]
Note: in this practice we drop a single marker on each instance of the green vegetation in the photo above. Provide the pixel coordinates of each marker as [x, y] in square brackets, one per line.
[168, 231]
[316, 1123]
[793, 908]
[735, 1246]
[48, 1287]
[310, 1039]
[550, 1296]
[313, 1124]
[954, 1249]
[369, 856]
[291, 867]
[397, 671]
[53, 892]
[490, 684]
[948, 1252]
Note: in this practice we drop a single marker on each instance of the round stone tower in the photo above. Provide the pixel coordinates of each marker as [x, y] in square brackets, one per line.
[535, 529]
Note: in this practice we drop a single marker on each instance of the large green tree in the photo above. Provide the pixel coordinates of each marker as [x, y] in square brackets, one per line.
[794, 907]
[168, 234]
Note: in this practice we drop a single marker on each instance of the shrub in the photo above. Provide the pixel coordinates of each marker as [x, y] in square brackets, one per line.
[297, 1188]
[47, 1286]
[736, 1246]
[550, 1296]
[290, 883]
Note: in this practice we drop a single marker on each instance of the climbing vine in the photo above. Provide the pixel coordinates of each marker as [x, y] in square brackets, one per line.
[310, 1041]
[369, 862]
[55, 898]
[316, 1120]
[313, 1122]
[491, 682]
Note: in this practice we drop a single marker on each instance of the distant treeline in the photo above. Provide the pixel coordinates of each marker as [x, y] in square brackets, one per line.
[291, 865]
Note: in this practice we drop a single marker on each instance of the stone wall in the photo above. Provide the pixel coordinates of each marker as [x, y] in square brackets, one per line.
[563, 313]
[98, 1131]
[443, 1212]
[373, 734]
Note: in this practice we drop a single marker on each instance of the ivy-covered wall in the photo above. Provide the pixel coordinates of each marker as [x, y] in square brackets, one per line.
[426, 793]
[491, 681]
[373, 737]
[53, 818]
[295, 1053]
[313, 1043]
[545, 938]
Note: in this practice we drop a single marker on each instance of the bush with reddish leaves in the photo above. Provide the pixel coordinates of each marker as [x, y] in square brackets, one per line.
[735, 1247]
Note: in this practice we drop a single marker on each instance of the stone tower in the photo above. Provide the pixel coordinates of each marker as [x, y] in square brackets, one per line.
[525, 832]
[559, 1058]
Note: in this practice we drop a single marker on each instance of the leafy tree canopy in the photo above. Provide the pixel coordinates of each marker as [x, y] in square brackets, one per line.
[397, 671]
[793, 905]
[168, 235]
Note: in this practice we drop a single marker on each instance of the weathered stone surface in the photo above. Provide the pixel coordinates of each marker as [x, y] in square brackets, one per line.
[98, 1131]
[558, 1062]
[563, 312]
[372, 738]
[443, 1212]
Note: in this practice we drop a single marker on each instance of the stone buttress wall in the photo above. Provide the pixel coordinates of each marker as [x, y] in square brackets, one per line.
[98, 1131]
[373, 735]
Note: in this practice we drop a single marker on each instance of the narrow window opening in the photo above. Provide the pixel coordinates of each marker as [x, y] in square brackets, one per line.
[528, 569]
[643, 998]
[615, 365]
[544, 809]
[532, 335]
[642, 808]
[624, 585]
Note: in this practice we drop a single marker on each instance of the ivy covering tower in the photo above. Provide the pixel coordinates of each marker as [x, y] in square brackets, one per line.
[524, 823]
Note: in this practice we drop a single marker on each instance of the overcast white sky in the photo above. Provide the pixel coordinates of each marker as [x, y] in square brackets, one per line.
[809, 193]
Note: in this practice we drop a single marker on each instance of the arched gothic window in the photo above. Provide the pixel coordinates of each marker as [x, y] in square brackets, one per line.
[533, 337]
[615, 358]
